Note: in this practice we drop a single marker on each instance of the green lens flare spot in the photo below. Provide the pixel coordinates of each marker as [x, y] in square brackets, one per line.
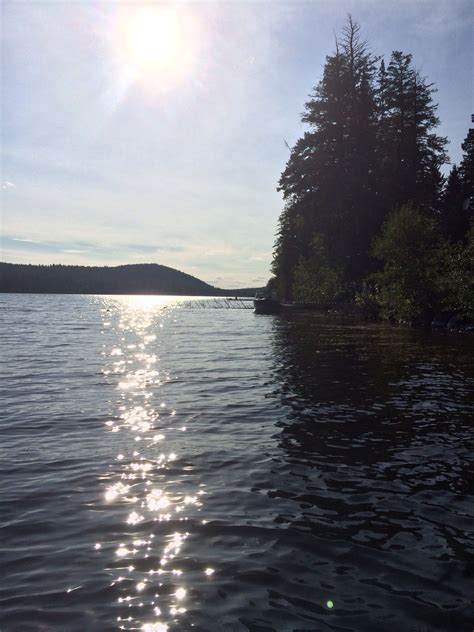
[330, 604]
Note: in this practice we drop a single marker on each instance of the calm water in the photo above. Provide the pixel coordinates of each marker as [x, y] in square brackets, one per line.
[164, 468]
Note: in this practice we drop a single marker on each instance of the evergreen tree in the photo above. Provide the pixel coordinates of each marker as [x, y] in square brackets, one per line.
[457, 205]
[466, 169]
[370, 148]
[328, 183]
[454, 218]
[285, 253]
[410, 153]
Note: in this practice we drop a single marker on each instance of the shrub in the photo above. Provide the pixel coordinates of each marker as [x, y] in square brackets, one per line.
[410, 286]
[316, 278]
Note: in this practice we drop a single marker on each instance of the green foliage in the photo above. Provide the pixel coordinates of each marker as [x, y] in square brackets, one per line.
[423, 272]
[458, 278]
[316, 278]
[366, 301]
[467, 295]
[407, 286]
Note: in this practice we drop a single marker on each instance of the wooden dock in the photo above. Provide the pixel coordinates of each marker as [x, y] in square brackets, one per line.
[221, 303]
[244, 302]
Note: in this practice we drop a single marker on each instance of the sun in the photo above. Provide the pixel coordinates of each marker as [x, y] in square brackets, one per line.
[153, 48]
[152, 39]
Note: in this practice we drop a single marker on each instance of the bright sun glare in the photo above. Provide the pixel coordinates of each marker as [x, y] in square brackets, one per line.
[153, 38]
[154, 47]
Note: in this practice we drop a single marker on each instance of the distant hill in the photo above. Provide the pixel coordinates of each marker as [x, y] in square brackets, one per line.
[147, 278]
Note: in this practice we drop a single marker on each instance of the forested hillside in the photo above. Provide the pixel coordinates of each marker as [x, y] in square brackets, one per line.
[128, 279]
[368, 214]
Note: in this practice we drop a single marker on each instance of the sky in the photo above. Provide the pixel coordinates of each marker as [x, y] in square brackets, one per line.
[116, 149]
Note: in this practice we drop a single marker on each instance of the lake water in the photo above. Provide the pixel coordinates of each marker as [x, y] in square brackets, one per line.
[167, 468]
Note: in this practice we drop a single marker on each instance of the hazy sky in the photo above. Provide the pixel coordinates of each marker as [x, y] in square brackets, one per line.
[109, 157]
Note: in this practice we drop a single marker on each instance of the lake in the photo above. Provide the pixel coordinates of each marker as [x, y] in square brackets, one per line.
[165, 467]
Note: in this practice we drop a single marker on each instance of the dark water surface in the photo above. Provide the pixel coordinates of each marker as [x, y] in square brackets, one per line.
[164, 468]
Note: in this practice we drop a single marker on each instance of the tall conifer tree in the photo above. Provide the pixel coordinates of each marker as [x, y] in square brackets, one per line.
[370, 148]
[466, 169]
[454, 218]
[328, 182]
[410, 153]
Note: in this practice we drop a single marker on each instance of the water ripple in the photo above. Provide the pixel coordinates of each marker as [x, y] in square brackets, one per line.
[167, 468]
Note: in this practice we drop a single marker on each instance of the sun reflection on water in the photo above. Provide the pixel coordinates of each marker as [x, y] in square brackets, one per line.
[156, 509]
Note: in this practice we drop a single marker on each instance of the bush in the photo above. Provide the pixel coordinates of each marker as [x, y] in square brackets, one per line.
[366, 301]
[316, 278]
[410, 286]
[458, 280]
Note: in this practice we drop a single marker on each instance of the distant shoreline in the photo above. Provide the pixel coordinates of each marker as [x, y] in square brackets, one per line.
[149, 279]
[232, 295]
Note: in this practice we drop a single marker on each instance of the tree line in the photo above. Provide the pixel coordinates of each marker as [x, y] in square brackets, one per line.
[368, 215]
[147, 278]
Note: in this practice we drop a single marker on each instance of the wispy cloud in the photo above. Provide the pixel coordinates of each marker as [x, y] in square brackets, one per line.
[26, 244]
[83, 247]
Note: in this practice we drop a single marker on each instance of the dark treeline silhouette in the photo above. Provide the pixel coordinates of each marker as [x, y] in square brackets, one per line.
[362, 179]
[127, 279]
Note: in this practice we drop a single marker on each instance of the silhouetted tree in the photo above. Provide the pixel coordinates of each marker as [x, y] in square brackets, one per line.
[466, 170]
[410, 153]
[370, 148]
[328, 182]
[454, 216]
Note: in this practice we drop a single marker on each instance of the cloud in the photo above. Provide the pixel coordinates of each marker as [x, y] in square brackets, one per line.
[150, 248]
[122, 252]
[27, 244]
[8, 185]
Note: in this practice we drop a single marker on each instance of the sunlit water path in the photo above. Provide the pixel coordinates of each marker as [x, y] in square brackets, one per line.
[166, 468]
